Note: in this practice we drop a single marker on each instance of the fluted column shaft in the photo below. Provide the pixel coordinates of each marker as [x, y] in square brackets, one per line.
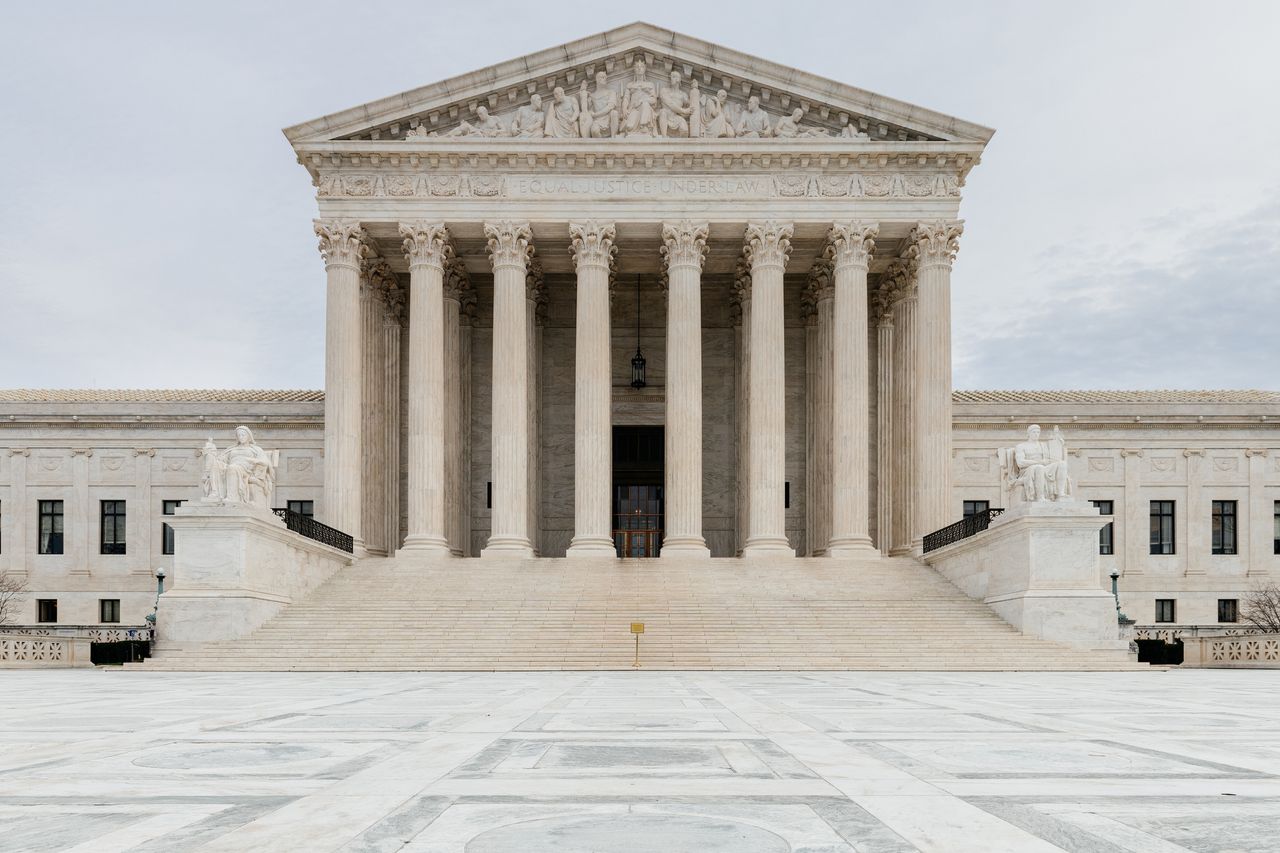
[885, 404]
[820, 471]
[509, 249]
[904, 417]
[767, 244]
[373, 462]
[340, 244]
[592, 247]
[684, 246]
[391, 423]
[427, 248]
[453, 409]
[850, 247]
[743, 413]
[934, 245]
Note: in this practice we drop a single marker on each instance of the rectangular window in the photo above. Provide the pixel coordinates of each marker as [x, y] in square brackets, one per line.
[1224, 527]
[307, 508]
[975, 507]
[108, 610]
[1162, 527]
[1106, 536]
[1228, 610]
[112, 527]
[50, 527]
[166, 532]
[1275, 533]
[46, 610]
[1165, 609]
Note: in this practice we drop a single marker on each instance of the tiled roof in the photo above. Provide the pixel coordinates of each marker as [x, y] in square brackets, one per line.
[1116, 396]
[158, 395]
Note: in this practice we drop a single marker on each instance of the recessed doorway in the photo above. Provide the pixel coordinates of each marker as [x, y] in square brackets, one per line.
[637, 490]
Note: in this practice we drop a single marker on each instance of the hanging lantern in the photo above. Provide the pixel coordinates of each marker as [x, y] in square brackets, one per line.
[637, 361]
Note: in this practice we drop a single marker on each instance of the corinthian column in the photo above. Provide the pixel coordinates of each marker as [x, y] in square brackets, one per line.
[456, 285]
[426, 245]
[510, 244]
[740, 303]
[340, 245]
[850, 245]
[882, 310]
[934, 245]
[821, 293]
[592, 246]
[904, 410]
[767, 246]
[684, 245]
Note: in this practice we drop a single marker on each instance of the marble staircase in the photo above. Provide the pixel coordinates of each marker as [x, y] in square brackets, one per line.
[407, 613]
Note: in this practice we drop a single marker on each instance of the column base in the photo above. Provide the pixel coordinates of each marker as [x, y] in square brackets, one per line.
[768, 546]
[591, 546]
[425, 544]
[508, 548]
[852, 547]
[685, 546]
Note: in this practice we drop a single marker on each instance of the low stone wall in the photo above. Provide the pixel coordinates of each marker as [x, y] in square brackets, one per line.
[234, 568]
[1248, 651]
[26, 651]
[1037, 567]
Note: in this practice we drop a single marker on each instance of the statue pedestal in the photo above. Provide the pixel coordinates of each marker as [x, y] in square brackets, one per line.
[1037, 567]
[234, 567]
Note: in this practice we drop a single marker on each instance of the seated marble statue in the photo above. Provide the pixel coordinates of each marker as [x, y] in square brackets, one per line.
[715, 118]
[530, 121]
[242, 474]
[1040, 467]
[754, 122]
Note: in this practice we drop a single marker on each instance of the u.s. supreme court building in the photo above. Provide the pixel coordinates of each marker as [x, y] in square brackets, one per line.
[641, 296]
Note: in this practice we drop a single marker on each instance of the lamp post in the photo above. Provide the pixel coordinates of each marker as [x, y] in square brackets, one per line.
[637, 361]
[1115, 593]
[151, 617]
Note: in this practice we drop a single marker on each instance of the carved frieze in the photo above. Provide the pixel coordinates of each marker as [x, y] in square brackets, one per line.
[549, 183]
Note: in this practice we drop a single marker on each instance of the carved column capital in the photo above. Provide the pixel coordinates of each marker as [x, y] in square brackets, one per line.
[510, 243]
[768, 244]
[851, 243]
[684, 243]
[591, 243]
[426, 243]
[341, 241]
[935, 243]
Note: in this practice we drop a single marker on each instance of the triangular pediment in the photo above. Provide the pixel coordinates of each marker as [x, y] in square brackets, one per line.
[737, 96]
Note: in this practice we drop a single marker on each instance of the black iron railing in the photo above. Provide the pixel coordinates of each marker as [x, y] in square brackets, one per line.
[312, 529]
[962, 529]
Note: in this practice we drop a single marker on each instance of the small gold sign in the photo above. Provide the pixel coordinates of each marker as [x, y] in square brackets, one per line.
[637, 627]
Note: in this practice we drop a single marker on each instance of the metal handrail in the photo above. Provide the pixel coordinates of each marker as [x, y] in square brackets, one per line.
[962, 529]
[312, 529]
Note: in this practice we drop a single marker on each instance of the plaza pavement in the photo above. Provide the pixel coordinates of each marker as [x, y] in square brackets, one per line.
[621, 762]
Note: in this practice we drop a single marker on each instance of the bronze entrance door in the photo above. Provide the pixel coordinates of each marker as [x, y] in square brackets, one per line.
[637, 490]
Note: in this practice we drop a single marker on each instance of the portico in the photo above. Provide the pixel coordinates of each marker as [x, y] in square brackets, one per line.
[791, 274]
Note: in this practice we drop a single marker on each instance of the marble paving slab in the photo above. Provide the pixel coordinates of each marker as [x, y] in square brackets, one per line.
[1142, 762]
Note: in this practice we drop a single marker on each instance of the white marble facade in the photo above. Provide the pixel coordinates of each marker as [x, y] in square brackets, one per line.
[1127, 447]
[791, 241]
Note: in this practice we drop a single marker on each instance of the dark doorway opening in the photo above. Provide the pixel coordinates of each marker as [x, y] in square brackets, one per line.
[637, 490]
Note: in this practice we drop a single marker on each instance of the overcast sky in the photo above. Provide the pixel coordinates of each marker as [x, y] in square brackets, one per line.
[1122, 231]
